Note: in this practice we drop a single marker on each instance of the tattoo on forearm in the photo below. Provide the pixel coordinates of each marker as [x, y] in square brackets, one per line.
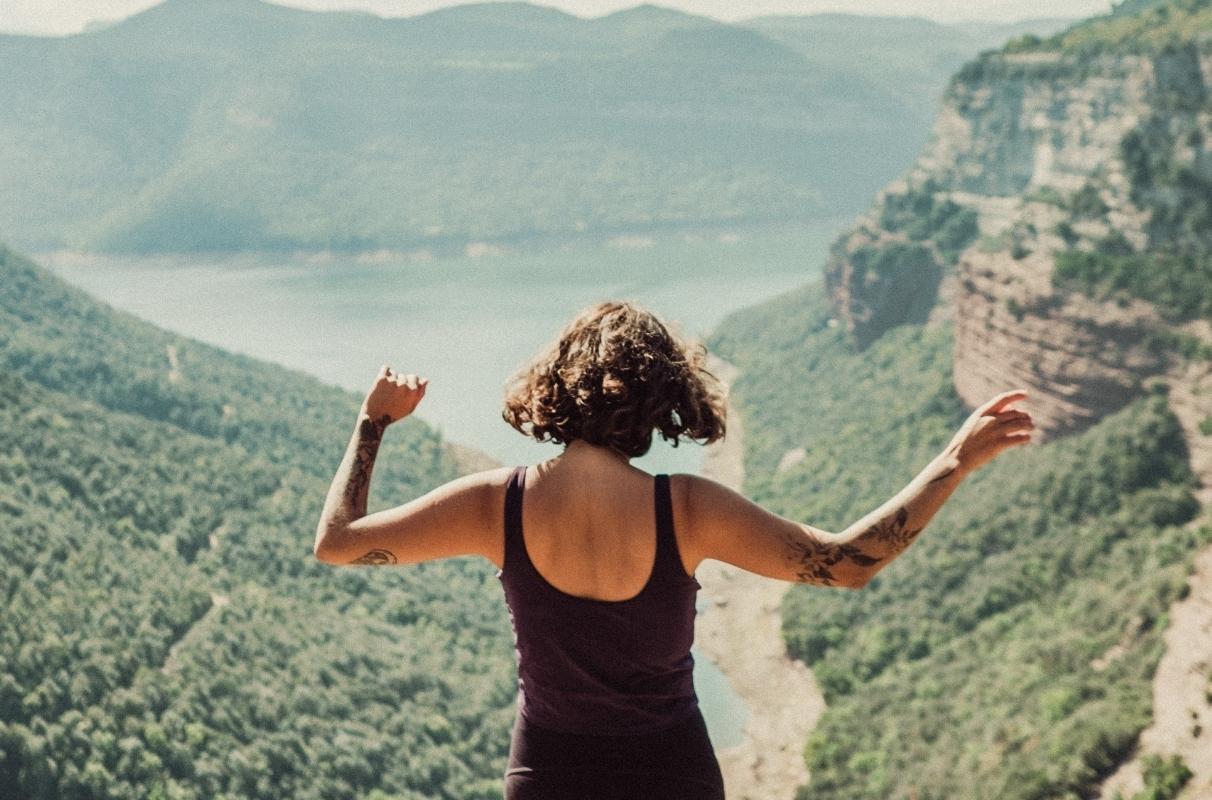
[370, 436]
[894, 533]
[814, 560]
[377, 558]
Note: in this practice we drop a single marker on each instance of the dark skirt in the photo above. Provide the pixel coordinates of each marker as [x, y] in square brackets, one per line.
[676, 763]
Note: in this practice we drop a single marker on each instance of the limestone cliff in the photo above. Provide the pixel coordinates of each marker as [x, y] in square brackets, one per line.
[1046, 153]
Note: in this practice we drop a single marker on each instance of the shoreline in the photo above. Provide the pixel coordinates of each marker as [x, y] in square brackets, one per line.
[443, 249]
[741, 632]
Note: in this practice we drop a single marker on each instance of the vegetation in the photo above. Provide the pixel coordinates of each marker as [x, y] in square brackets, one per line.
[1150, 28]
[1164, 778]
[167, 632]
[1050, 558]
[1174, 271]
[1135, 26]
[1178, 286]
[922, 217]
[1087, 203]
[248, 125]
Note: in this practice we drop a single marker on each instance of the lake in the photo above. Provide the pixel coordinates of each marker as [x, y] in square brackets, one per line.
[467, 322]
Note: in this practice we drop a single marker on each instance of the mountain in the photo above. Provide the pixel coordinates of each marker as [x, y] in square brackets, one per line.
[906, 55]
[1055, 233]
[167, 632]
[239, 124]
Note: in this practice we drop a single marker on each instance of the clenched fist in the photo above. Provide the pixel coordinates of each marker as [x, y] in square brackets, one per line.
[393, 396]
[991, 429]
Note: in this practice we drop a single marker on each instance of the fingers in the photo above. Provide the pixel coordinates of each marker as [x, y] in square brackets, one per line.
[1009, 426]
[1002, 400]
[410, 380]
[1016, 438]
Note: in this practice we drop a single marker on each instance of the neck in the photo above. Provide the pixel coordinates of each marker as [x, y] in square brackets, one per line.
[580, 447]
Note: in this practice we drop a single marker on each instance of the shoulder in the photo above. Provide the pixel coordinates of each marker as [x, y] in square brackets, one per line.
[486, 485]
[474, 497]
[696, 498]
[478, 499]
[695, 492]
[715, 517]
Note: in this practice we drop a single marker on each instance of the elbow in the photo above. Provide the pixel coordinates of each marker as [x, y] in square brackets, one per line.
[323, 548]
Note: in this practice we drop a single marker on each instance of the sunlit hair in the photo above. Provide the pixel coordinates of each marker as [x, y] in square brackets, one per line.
[615, 374]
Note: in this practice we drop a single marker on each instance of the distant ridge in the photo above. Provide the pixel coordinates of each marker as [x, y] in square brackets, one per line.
[225, 125]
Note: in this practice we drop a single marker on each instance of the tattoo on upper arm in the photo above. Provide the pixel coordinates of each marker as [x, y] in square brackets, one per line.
[894, 533]
[814, 560]
[377, 558]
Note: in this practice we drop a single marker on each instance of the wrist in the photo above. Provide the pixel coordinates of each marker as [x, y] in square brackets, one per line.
[949, 465]
[368, 423]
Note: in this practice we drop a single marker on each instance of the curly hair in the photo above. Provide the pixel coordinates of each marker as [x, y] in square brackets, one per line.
[615, 374]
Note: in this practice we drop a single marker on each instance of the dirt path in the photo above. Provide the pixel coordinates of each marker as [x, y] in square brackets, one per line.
[1182, 707]
[741, 632]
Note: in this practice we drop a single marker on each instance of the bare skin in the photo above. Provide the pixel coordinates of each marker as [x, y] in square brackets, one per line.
[775, 547]
[588, 518]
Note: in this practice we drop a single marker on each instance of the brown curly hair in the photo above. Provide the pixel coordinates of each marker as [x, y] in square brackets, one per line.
[615, 374]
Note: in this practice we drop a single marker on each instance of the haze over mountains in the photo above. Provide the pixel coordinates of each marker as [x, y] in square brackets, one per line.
[237, 124]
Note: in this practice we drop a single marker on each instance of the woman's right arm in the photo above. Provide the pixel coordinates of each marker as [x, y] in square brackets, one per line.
[728, 527]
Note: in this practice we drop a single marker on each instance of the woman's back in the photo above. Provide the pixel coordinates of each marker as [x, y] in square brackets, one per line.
[589, 524]
[603, 615]
[601, 605]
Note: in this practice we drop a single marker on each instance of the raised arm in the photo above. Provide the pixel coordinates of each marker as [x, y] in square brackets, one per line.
[393, 397]
[728, 527]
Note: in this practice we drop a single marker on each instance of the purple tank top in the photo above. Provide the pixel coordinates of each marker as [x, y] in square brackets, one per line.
[601, 666]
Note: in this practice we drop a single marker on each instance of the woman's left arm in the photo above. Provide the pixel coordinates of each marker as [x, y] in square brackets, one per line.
[449, 520]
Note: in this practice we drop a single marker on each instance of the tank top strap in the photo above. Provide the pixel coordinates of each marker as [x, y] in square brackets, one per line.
[668, 557]
[515, 552]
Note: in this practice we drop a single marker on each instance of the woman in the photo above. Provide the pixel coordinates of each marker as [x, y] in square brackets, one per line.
[598, 564]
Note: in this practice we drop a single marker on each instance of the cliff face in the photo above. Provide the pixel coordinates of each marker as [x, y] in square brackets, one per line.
[1036, 157]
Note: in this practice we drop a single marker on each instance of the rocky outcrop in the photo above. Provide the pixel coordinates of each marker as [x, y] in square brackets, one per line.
[1026, 161]
[1079, 359]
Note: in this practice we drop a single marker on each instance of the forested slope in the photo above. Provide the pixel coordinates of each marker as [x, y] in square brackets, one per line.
[1008, 654]
[167, 632]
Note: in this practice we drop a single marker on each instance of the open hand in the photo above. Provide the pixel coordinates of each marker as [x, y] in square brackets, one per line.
[394, 395]
[992, 428]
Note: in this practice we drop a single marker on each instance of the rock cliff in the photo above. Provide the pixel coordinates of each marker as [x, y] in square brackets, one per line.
[1049, 167]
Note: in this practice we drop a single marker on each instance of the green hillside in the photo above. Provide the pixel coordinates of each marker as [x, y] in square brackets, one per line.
[239, 124]
[167, 631]
[1134, 26]
[982, 664]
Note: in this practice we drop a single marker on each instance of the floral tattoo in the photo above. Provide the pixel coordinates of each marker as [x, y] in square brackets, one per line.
[894, 533]
[814, 560]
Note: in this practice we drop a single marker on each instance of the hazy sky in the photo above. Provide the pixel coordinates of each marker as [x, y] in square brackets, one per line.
[70, 16]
